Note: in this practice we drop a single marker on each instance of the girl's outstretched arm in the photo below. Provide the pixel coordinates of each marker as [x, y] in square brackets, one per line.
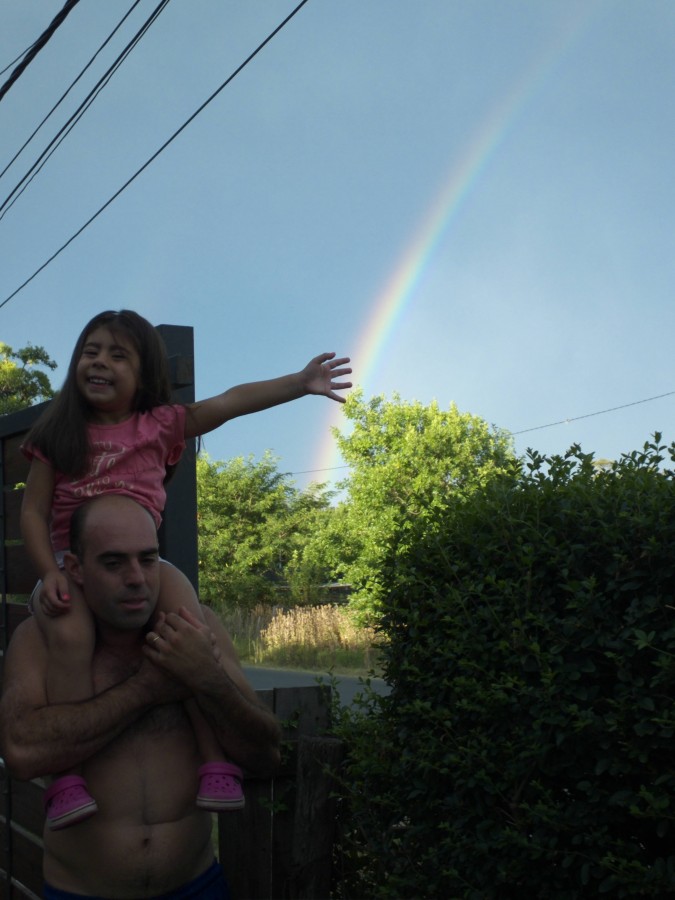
[318, 377]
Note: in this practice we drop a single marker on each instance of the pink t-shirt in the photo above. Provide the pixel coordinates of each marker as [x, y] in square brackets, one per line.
[129, 458]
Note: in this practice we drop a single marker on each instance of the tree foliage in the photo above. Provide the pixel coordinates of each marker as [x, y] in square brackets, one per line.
[526, 749]
[409, 463]
[21, 383]
[252, 526]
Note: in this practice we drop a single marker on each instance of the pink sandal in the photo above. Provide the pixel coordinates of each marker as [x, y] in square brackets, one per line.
[220, 787]
[67, 801]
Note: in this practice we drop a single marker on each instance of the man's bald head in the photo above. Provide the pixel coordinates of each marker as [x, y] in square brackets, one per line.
[107, 505]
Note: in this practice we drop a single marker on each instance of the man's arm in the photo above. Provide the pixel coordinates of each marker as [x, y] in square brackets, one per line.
[38, 739]
[247, 730]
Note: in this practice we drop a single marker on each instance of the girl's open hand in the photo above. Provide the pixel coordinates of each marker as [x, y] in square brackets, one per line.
[320, 374]
[55, 594]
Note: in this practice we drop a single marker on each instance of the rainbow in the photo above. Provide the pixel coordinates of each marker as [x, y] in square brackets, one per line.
[389, 305]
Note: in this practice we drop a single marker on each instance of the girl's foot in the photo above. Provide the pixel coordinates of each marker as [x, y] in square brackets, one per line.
[220, 787]
[67, 801]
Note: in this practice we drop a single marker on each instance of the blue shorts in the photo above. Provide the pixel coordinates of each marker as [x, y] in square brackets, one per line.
[210, 885]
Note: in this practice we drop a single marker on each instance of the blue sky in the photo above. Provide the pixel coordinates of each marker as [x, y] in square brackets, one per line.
[275, 222]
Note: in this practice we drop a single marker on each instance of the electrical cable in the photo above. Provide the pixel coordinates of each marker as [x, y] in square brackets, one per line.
[600, 412]
[16, 59]
[69, 88]
[35, 48]
[23, 183]
[156, 154]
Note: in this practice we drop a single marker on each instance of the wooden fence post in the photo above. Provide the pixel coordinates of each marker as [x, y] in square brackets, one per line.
[315, 813]
[178, 534]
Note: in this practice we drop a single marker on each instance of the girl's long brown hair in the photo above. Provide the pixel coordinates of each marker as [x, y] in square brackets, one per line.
[61, 431]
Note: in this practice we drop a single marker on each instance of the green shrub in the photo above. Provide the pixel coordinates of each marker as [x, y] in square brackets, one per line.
[527, 749]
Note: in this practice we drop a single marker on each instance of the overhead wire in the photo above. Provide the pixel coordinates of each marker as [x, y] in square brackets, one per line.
[63, 132]
[600, 412]
[35, 48]
[69, 88]
[16, 59]
[156, 153]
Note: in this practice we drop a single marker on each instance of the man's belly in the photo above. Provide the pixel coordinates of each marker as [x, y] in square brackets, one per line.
[148, 836]
[129, 860]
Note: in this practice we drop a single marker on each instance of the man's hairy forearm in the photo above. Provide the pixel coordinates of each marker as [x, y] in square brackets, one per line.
[48, 739]
[246, 730]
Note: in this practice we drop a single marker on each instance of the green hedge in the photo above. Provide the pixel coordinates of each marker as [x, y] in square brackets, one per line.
[528, 747]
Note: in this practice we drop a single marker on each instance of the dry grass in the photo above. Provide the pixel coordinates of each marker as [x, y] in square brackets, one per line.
[318, 638]
[245, 627]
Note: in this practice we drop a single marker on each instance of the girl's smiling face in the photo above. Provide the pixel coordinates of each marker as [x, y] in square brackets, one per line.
[108, 375]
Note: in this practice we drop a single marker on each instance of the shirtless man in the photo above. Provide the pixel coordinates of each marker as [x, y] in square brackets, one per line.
[133, 738]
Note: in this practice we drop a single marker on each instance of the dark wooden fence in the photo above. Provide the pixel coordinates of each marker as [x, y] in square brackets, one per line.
[280, 845]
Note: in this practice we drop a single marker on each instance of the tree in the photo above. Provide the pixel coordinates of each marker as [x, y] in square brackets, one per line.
[252, 525]
[21, 383]
[409, 462]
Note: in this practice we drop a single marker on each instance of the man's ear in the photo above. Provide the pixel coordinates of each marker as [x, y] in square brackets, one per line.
[71, 564]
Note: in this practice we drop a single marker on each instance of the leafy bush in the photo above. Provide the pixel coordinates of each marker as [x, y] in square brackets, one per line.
[527, 748]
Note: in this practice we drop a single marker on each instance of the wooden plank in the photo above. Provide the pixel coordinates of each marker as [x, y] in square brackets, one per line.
[3, 840]
[26, 802]
[17, 613]
[315, 816]
[245, 843]
[20, 576]
[27, 862]
[303, 710]
[21, 892]
[256, 850]
[178, 534]
[15, 463]
[27, 806]
[12, 500]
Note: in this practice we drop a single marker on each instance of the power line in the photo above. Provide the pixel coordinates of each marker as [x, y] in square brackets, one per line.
[600, 412]
[311, 471]
[16, 59]
[35, 48]
[591, 415]
[69, 88]
[79, 112]
[156, 154]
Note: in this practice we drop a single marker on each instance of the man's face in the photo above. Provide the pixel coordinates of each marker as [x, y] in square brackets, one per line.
[119, 568]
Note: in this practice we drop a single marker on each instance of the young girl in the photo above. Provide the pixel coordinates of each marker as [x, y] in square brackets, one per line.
[112, 429]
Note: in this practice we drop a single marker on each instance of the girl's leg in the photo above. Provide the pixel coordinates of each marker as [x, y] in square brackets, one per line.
[220, 780]
[70, 646]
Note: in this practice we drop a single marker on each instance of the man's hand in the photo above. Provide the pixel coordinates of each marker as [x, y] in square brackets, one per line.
[184, 647]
